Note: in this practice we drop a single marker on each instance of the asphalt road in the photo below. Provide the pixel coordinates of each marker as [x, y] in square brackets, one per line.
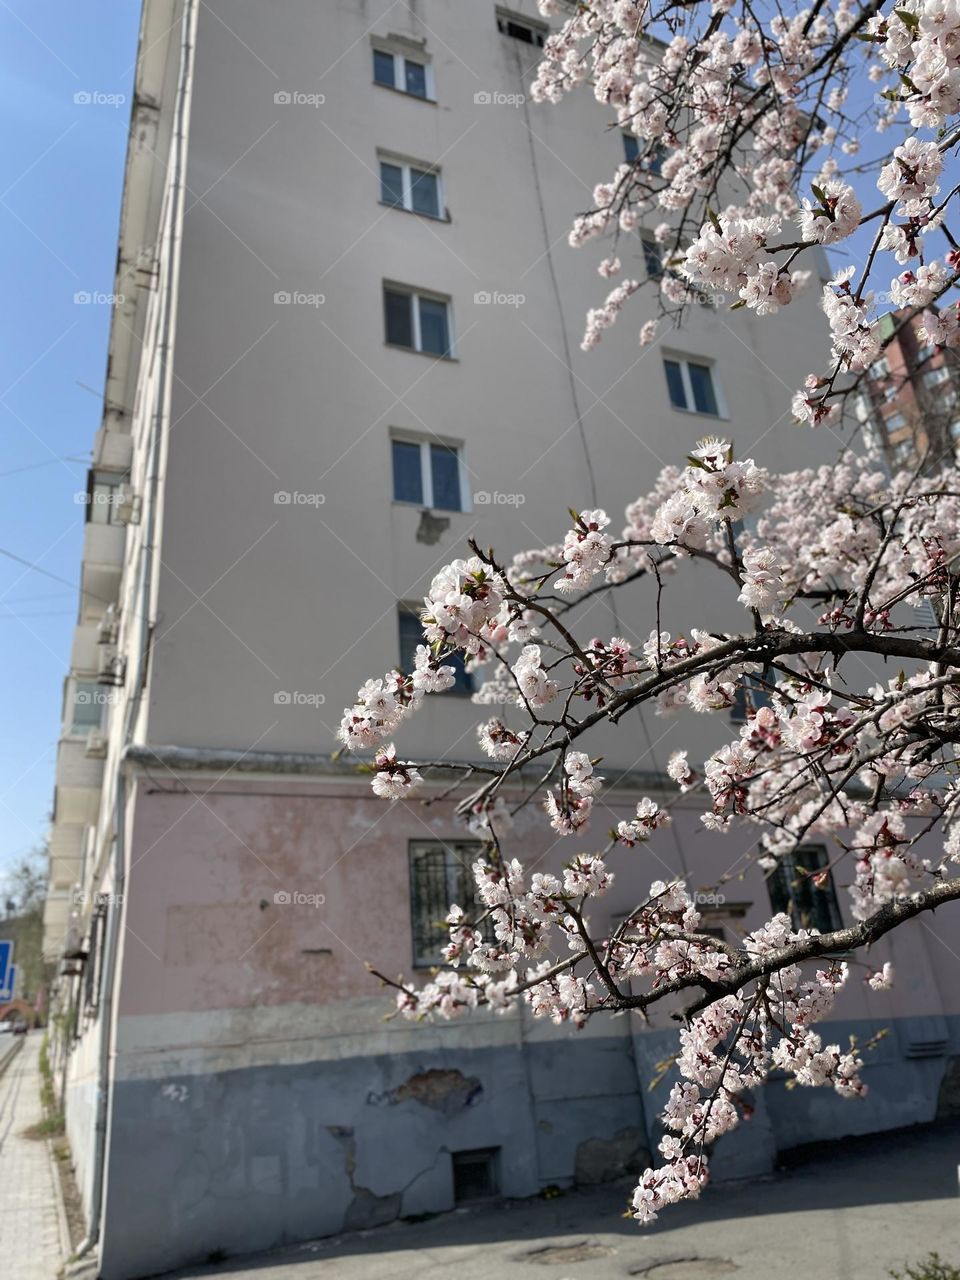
[846, 1212]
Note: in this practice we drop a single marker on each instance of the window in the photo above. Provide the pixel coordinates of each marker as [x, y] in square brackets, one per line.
[880, 368]
[924, 353]
[902, 452]
[417, 321]
[440, 875]
[652, 160]
[752, 693]
[895, 422]
[520, 29]
[475, 1174]
[407, 75]
[428, 473]
[933, 377]
[103, 491]
[651, 258]
[411, 635]
[86, 707]
[794, 890]
[410, 186]
[691, 387]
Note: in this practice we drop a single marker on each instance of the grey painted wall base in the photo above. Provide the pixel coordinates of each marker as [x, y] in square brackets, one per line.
[245, 1160]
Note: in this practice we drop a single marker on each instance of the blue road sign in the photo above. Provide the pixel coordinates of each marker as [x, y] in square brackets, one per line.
[6, 963]
[6, 993]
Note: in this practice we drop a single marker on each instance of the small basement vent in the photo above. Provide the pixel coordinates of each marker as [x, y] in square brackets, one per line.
[475, 1174]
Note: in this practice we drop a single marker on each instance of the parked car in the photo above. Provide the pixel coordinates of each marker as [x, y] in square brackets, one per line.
[5, 1027]
[20, 1028]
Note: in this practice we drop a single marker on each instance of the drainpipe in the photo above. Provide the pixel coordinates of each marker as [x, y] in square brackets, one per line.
[111, 942]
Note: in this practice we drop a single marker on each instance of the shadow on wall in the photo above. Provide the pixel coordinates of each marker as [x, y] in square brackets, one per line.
[823, 1176]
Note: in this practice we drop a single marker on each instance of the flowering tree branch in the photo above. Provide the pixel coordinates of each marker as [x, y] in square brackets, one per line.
[748, 122]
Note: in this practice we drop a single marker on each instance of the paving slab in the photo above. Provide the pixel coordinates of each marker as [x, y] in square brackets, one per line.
[30, 1227]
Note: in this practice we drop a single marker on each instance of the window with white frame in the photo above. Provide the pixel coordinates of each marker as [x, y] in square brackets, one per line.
[692, 387]
[85, 710]
[427, 473]
[933, 377]
[405, 73]
[410, 185]
[103, 495]
[417, 321]
[895, 422]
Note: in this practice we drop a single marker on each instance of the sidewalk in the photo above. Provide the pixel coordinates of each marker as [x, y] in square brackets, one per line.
[30, 1244]
[848, 1212]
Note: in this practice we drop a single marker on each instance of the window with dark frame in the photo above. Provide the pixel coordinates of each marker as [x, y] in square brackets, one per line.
[752, 693]
[440, 874]
[476, 1174]
[651, 258]
[411, 635]
[793, 889]
[518, 28]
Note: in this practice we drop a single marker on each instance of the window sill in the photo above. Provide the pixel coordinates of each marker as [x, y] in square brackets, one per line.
[414, 97]
[412, 351]
[419, 506]
[699, 413]
[402, 208]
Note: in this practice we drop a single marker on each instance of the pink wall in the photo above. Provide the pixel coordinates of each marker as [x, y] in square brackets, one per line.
[197, 937]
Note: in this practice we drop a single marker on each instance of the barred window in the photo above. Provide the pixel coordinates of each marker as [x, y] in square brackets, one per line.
[440, 874]
[793, 890]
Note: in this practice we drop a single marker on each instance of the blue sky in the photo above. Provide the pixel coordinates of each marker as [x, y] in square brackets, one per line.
[59, 209]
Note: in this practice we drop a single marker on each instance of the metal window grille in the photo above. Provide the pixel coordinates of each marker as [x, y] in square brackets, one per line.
[440, 874]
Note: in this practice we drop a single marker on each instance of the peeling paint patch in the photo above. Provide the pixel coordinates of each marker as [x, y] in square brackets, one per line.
[606, 1159]
[448, 1091]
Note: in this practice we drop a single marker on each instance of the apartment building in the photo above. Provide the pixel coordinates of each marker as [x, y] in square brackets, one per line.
[348, 341]
[909, 402]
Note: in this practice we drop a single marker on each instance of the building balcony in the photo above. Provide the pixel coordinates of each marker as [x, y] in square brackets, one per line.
[78, 781]
[103, 555]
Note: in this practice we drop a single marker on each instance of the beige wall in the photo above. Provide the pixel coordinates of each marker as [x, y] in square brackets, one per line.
[300, 398]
